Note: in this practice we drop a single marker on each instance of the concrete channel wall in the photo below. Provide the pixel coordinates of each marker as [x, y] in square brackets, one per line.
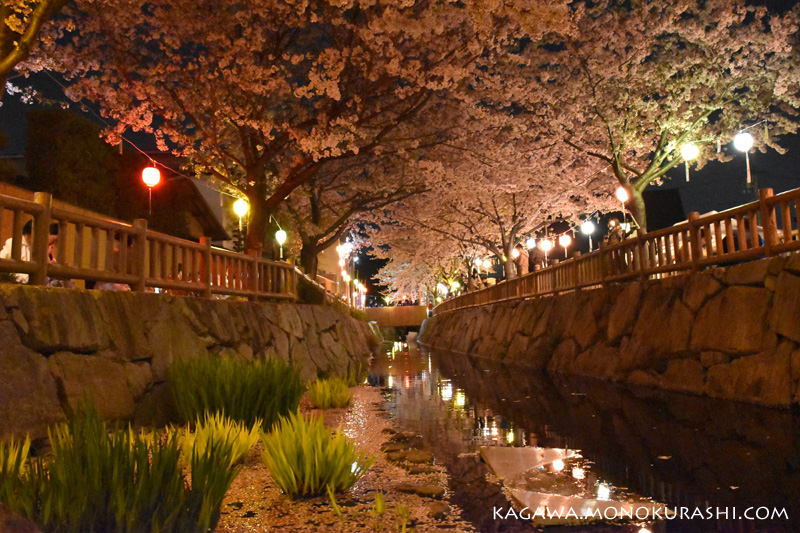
[728, 332]
[58, 345]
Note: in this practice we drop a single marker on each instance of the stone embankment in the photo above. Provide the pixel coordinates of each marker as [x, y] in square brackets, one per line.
[59, 345]
[729, 332]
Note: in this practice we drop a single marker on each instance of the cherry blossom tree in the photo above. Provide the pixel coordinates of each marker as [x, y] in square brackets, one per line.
[263, 95]
[638, 80]
[323, 210]
[21, 22]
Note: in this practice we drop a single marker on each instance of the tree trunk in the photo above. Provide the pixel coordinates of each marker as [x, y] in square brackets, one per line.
[257, 221]
[510, 267]
[637, 209]
[309, 258]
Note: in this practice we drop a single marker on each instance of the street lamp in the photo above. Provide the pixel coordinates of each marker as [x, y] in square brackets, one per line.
[564, 241]
[545, 245]
[151, 176]
[587, 228]
[487, 264]
[743, 142]
[280, 236]
[514, 253]
[689, 152]
[622, 196]
[240, 207]
[530, 244]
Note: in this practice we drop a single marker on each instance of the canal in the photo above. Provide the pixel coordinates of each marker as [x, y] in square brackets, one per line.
[715, 459]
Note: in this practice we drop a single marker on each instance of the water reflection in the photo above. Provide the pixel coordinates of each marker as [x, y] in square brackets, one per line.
[681, 450]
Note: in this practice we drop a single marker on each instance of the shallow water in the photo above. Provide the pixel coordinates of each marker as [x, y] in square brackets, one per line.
[707, 456]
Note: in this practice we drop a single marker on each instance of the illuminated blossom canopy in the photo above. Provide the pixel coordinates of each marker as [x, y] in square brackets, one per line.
[262, 95]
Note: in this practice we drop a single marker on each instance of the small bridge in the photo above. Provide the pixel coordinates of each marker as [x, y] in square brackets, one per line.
[401, 316]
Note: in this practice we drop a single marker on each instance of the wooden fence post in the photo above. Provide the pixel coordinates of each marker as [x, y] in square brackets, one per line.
[254, 277]
[205, 273]
[694, 239]
[41, 238]
[139, 253]
[768, 221]
[642, 252]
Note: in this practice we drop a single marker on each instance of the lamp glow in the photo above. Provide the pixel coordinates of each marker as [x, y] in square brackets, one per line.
[622, 195]
[151, 176]
[565, 240]
[546, 245]
[689, 151]
[240, 207]
[280, 236]
[514, 253]
[530, 244]
[341, 263]
[743, 141]
[587, 228]
[487, 264]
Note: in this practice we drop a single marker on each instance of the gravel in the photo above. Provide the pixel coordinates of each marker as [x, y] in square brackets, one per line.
[255, 503]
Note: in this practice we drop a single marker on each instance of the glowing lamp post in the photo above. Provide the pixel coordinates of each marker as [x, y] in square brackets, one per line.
[587, 228]
[743, 142]
[151, 177]
[546, 245]
[487, 264]
[240, 207]
[280, 236]
[689, 152]
[565, 241]
[514, 253]
[530, 244]
[622, 196]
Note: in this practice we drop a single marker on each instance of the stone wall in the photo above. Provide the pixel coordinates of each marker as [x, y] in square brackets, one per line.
[58, 345]
[726, 332]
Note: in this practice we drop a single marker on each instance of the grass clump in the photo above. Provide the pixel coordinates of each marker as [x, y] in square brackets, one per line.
[213, 429]
[330, 393]
[121, 481]
[264, 390]
[306, 459]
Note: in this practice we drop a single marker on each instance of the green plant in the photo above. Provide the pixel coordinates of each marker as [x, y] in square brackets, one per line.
[305, 458]
[356, 375]
[213, 428]
[123, 481]
[359, 315]
[380, 504]
[264, 389]
[330, 393]
[405, 515]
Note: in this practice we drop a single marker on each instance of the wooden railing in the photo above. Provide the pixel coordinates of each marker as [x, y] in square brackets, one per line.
[717, 239]
[101, 250]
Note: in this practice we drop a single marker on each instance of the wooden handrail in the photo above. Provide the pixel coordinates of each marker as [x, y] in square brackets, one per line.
[692, 245]
[104, 250]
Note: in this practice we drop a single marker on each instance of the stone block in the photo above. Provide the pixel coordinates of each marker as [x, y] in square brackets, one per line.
[598, 361]
[28, 393]
[699, 288]
[733, 321]
[684, 375]
[642, 377]
[623, 313]
[709, 359]
[749, 273]
[785, 318]
[101, 380]
[792, 264]
[139, 377]
[564, 357]
[662, 329]
[762, 378]
[517, 349]
[48, 331]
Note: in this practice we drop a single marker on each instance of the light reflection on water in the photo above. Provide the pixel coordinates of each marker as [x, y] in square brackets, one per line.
[665, 448]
